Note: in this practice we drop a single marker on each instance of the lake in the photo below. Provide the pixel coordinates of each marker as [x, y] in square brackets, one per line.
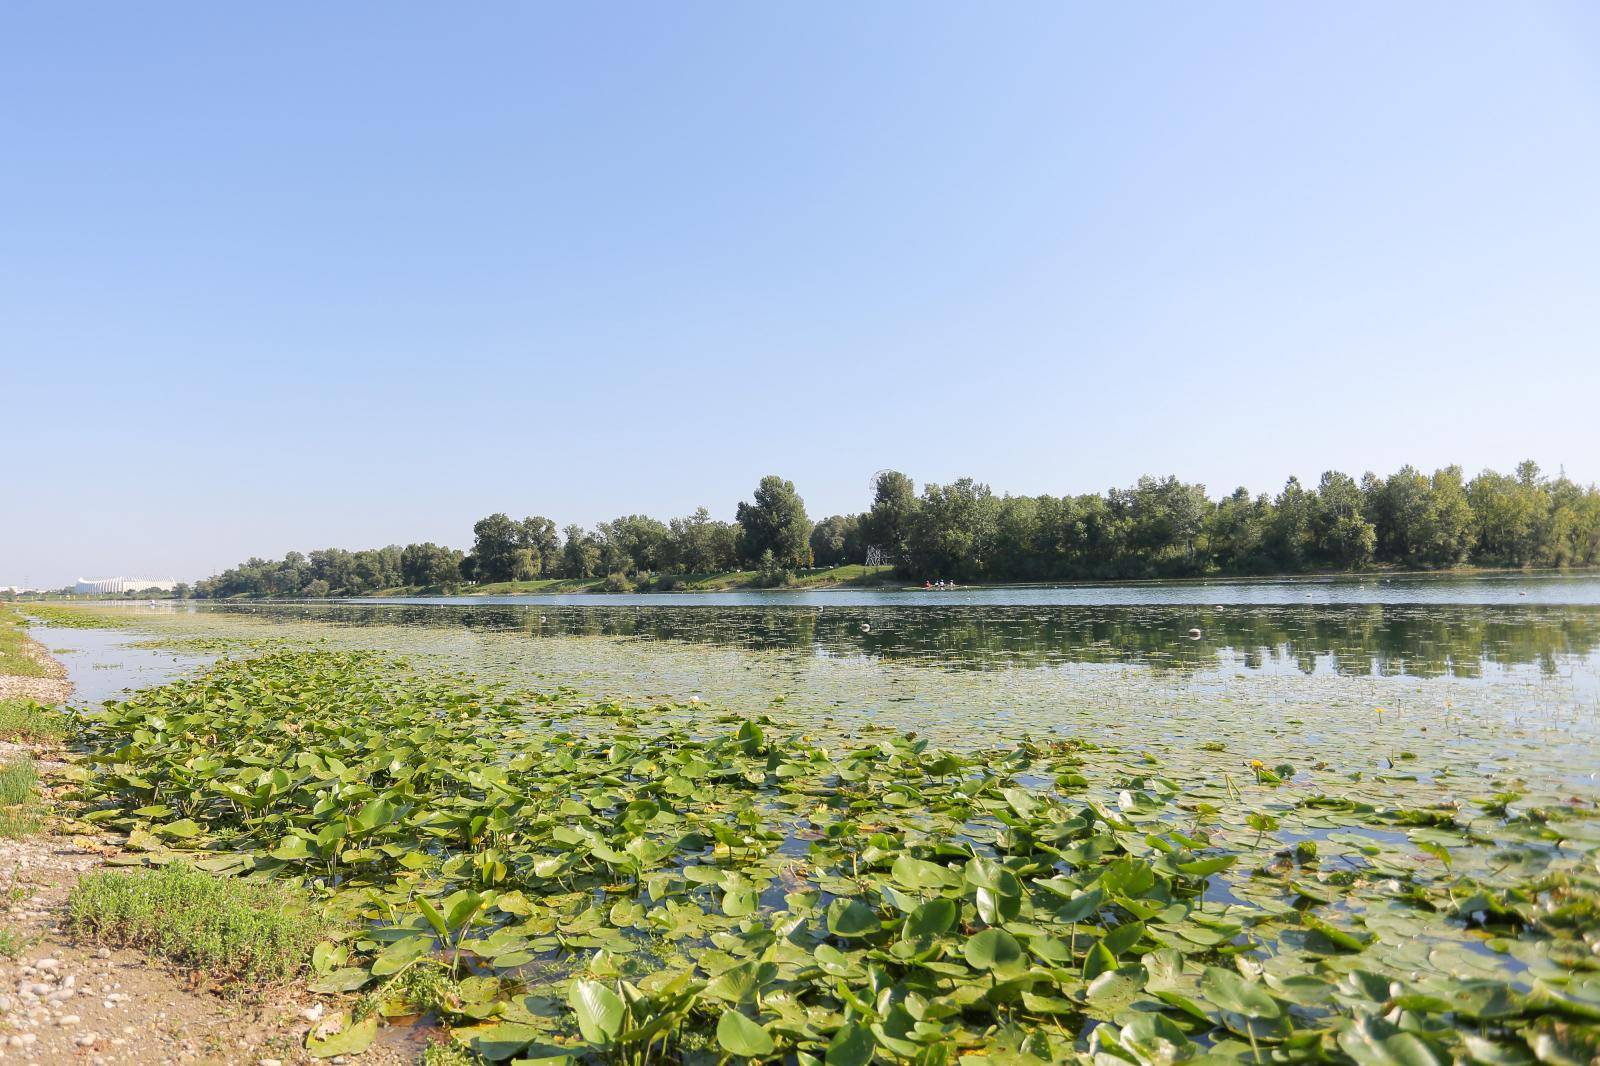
[1508, 666]
[1374, 746]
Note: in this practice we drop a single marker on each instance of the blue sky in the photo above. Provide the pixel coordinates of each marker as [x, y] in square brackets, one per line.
[296, 275]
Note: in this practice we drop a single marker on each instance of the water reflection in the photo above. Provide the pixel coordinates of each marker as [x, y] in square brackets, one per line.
[1355, 639]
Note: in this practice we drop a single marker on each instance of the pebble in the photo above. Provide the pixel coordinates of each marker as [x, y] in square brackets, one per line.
[313, 1013]
[68, 1019]
[270, 1062]
[87, 1040]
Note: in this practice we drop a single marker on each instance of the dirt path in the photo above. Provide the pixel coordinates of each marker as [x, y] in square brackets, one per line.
[66, 1001]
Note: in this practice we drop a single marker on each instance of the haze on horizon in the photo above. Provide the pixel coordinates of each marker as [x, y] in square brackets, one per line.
[305, 277]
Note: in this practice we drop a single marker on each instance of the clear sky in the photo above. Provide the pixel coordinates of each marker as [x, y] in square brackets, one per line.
[297, 275]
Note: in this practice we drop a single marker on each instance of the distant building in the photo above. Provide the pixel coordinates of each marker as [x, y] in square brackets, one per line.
[102, 585]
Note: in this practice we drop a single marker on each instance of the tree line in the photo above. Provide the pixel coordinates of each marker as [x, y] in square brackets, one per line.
[962, 531]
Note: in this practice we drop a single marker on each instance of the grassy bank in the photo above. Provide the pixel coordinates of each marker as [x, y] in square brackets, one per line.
[18, 656]
[566, 879]
[853, 576]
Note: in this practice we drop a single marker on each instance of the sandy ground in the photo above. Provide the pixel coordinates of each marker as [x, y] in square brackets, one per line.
[66, 1001]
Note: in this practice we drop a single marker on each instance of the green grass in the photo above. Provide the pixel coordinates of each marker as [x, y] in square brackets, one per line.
[20, 814]
[12, 943]
[31, 722]
[15, 660]
[18, 778]
[853, 575]
[81, 617]
[237, 931]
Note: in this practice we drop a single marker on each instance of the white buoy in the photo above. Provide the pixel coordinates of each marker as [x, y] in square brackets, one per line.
[865, 628]
[1194, 634]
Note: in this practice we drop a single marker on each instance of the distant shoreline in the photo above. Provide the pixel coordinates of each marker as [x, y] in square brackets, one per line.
[858, 577]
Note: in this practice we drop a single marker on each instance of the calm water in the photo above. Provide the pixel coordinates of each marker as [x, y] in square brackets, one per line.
[1496, 678]
[105, 663]
[1480, 627]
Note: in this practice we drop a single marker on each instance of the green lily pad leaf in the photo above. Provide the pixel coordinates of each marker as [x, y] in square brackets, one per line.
[738, 1035]
[599, 1010]
[852, 1045]
[993, 949]
[350, 1040]
[291, 849]
[1231, 992]
[1206, 867]
[851, 918]
[1371, 1041]
[346, 980]
[501, 1040]
[930, 919]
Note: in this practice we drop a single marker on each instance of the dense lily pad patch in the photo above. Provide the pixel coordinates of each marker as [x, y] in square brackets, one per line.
[559, 878]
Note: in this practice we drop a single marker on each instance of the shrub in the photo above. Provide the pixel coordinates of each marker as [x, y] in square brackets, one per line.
[617, 582]
[242, 931]
[769, 574]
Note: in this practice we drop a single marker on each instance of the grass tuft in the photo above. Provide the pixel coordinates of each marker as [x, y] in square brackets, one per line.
[18, 778]
[237, 931]
[31, 722]
[20, 815]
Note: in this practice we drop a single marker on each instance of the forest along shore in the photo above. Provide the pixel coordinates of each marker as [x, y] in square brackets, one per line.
[70, 997]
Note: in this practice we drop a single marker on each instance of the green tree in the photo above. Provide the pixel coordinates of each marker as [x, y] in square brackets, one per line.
[538, 534]
[776, 521]
[1165, 520]
[429, 565]
[888, 523]
[1288, 540]
[836, 541]
[1450, 521]
[495, 543]
[580, 556]
[1341, 536]
[952, 531]
[700, 545]
[634, 543]
[1236, 532]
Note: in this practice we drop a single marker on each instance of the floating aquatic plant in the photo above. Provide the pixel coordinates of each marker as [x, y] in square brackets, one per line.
[576, 879]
